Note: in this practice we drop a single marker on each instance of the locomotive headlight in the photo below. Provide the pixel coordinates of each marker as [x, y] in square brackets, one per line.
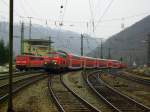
[45, 62]
[54, 61]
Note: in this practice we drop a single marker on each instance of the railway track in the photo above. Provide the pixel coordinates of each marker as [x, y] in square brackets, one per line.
[145, 74]
[66, 100]
[116, 100]
[135, 79]
[17, 74]
[18, 85]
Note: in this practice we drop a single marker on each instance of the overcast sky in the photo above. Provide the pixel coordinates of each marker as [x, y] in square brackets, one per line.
[78, 13]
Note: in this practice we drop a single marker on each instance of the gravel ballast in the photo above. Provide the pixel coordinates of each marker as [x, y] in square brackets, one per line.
[34, 98]
[134, 90]
[75, 82]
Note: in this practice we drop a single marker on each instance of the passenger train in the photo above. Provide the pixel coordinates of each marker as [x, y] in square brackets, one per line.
[61, 60]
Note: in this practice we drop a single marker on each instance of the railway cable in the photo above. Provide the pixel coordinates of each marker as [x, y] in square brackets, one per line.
[30, 7]
[105, 11]
[61, 20]
[7, 5]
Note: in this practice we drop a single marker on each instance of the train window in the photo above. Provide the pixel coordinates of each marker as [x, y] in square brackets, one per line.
[32, 58]
[116, 62]
[62, 55]
[36, 58]
[41, 58]
[28, 54]
[75, 57]
[56, 54]
[34, 49]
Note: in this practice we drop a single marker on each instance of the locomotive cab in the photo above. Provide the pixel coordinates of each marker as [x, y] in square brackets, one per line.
[55, 61]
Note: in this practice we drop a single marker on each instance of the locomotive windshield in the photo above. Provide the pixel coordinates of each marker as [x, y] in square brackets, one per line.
[56, 54]
[53, 55]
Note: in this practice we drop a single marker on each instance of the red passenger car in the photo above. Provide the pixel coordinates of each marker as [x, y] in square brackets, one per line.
[116, 64]
[123, 65]
[75, 62]
[101, 63]
[89, 62]
[113, 64]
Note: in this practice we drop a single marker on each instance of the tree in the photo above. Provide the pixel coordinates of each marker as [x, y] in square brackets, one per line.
[121, 59]
[4, 53]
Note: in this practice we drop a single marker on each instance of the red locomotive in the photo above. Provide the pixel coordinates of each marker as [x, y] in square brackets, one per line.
[29, 61]
[61, 60]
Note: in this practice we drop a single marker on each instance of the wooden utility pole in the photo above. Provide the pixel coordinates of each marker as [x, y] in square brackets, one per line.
[101, 48]
[109, 50]
[148, 51]
[82, 53]
[10, 103]
[22, 38]
[109, 53]
[30, 25]
[93, 24]
[49, 43]
[82, 44]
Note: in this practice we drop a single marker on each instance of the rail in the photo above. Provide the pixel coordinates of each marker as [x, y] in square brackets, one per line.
[116, 100]
[66, 99]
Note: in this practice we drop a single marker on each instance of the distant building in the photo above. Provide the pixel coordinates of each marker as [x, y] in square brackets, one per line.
[38, 47]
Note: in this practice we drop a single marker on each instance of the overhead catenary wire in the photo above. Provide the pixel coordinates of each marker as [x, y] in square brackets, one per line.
[7, 5]
[23, 7]
[65, 9]
[85, 22]
[5, 2]
[30, 7]
[105, 11]
[3, 18]
[106, 20]
[98, 6]
[91, 10]
[61, 19]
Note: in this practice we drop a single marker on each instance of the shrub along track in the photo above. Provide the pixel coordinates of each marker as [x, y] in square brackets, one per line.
[67, 100]
[116, 100]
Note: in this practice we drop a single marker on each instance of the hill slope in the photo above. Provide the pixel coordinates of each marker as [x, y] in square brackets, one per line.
[66, 40]
[129, 43]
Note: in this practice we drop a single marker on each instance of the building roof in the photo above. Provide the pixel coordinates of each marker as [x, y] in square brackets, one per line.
[38, 41]
[42, 46]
